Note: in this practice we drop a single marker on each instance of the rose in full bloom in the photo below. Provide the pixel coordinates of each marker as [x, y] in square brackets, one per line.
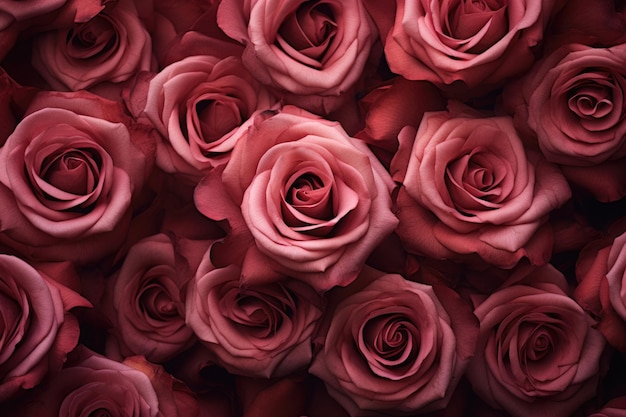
[111, 46]
[309, 52]
[474, 43]
[67, 179]
[95, 385]
[37, 329]
[538, 351]
[197, 104]
[259, 330]
[302, 198]
[571, 105]
[147, 298]
[601, 272]
[394, 346]
[470, 188]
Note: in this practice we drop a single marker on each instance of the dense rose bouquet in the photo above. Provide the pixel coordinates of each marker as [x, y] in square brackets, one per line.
[251, 208]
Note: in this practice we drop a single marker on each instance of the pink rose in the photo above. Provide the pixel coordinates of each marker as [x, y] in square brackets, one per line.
[538, 353]
[571, 105]
[476, 44]
[394, 346]
[309, 52]
[67, 180]
[302, 199]
[470, 188]
[198, 104]
[111, 46]
[37, 329]
[601, 272]
[95, 385]
[147, 298]
[258, 330]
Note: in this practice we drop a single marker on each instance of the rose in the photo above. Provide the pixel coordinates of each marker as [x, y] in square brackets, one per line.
[614, 408]
[37, 329]
[572, 106]
[259, 330]
[147, 298]
[538, 353]
[111, 46]
[11, 11]
[197, 104]
[601, 272]
[310, 52]
[96, 385]
[394, 346]
[302, 199]
[474, 43]
[67, 180]
[470, 188]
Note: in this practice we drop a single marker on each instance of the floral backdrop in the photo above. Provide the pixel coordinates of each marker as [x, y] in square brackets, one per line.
[312, 208]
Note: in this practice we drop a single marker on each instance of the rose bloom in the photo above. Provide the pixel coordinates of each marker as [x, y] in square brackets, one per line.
[392, 347]
[94, 385]
[601, 272]
[111, 46]
[37, 329]
[474, 43]
[310, 52]
[197, 104]
[571, 105]
[147, 298]
[259, 330]
[538, 352]
[470, 188]
[302, 199]
[67, 179]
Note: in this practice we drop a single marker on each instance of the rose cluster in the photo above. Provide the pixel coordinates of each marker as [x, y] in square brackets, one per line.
[308, 208]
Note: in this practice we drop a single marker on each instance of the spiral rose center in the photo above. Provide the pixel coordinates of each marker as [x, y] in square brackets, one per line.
[308, 204]
[591, 101]
[308, 32]
[263, 313]
[392, 339]
[157, 303]
[216, 118]
[76, 172]
[475, 25]
[91, 39]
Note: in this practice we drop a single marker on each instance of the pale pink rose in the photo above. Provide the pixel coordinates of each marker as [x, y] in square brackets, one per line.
[538, 351]
[309, 52]
[67, 180]
[147, 298]
[469, 43]
[470, 188]
[257, 330]
[302, 199]
[571, 105]
[38, 330]
[95, 385]
[198, 104]
[394, 346]
[111, 47]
